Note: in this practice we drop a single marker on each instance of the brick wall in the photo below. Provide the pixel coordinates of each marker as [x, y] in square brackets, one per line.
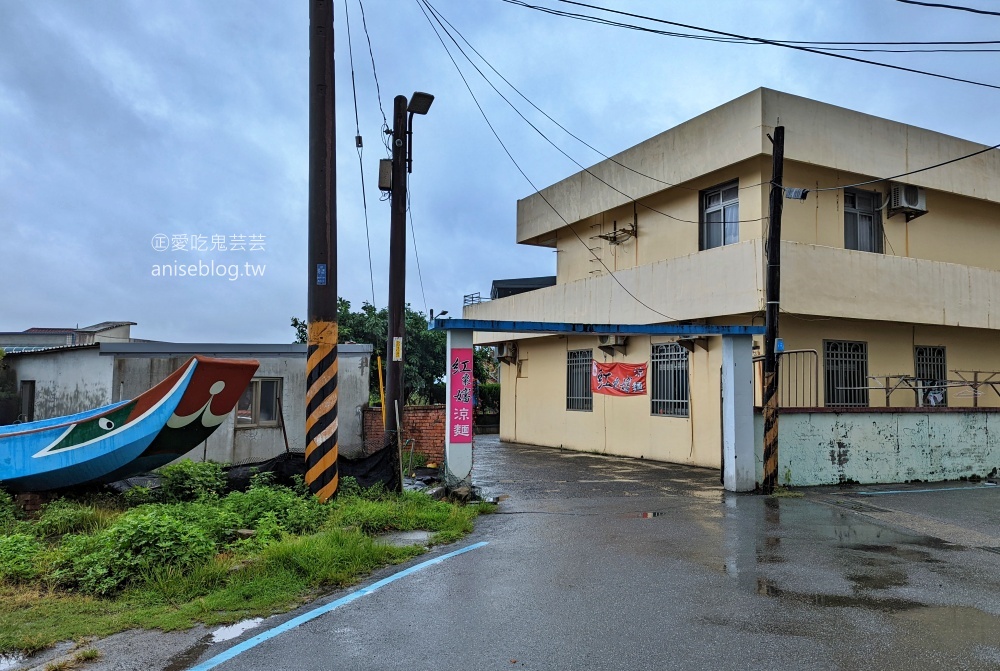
[422, 423]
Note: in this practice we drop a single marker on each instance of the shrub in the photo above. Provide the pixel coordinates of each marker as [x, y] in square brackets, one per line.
[62, 517]
[293, 513]
[129, 549]
[8, 517]
[139, 496]
[489, 397]
[18, 557]
[190, 480]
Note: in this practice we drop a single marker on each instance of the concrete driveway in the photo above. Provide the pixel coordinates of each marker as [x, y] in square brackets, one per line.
[596, 562]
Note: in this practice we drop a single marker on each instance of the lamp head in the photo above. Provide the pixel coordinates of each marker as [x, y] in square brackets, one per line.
[419, 103]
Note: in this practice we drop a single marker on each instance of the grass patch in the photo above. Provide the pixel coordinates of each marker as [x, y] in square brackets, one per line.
[786, 493]
[86, 569]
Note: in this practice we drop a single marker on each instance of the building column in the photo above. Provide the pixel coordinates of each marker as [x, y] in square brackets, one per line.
[459, 386]
[737, 414]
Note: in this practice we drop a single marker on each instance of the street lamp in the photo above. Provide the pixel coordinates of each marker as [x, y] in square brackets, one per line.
[402, 147]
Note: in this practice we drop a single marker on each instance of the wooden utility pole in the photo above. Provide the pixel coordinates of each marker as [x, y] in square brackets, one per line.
[394, 397]
[322, 474]
[773, 254]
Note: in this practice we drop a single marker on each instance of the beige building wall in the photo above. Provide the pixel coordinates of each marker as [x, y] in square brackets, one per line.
[533, 405]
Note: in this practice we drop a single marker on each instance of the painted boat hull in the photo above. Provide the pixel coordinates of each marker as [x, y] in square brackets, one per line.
[127, 437]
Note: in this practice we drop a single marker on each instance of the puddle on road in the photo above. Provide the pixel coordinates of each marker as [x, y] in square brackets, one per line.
[8, 662]
[881, 580]
[868, 602]
[233, 630]
[644, 515]
[906, 553]
[187, 658]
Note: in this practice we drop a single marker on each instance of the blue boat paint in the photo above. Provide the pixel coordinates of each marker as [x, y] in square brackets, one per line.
[322, 610]
[27, 464]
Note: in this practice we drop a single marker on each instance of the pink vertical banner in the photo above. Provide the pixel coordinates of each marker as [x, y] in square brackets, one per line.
[460, 406]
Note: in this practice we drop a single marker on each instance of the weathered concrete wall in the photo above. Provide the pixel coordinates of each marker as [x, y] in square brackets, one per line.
[230, 444]
[66, 381]
[883, 446]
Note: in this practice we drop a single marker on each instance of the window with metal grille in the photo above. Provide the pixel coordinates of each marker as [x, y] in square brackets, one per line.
[845, 366]
[669, 386]
[578, 394]
[863, 221]
[932, 372]
[720, 216]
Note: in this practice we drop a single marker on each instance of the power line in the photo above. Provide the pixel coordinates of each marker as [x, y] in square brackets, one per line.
[440, 18]
[420, 3]
[757, 39]
[358, 143]
[378, 90]
[905, 174]
[413, 236]
[962, 9]
[840, 46]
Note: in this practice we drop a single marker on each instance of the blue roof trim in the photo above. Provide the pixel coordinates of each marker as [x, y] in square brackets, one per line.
[596, 329]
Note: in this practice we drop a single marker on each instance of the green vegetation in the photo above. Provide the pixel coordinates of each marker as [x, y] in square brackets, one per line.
[186, 553]
[423, 367]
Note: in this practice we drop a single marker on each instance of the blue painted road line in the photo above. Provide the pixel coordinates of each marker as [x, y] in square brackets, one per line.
[316, 612]
[921, 491]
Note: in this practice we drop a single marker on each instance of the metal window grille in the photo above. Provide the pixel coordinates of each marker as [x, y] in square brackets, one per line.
[863, 221]
[578, 394]
[670, 389]
[720, 216]
[845, 365]
[931, 370]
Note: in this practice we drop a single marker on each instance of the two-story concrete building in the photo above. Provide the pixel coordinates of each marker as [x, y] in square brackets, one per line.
[885, 283]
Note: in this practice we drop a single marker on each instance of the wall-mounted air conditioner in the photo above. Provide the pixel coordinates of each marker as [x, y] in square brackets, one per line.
[909, 199]
[507, 352]
[609, 344]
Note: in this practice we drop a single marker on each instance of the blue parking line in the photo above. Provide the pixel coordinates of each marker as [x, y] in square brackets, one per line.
[316, 612]
[921, 491]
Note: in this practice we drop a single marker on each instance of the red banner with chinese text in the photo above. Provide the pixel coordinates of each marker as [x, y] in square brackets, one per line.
[618, 379]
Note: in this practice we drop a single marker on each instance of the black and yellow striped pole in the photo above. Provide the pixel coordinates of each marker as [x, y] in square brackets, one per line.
[321, 365]
[772, 310]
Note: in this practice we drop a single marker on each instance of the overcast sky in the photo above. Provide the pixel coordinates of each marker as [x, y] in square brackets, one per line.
[124, 124]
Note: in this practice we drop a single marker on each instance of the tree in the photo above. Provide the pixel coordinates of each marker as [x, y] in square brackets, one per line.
[424, 351]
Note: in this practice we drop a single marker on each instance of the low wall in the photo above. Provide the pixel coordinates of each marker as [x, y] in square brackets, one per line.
[422, 423]
[823, 446]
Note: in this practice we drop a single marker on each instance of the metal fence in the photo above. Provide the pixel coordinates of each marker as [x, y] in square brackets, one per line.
[670, 381]
[798, 378]
[578, 394]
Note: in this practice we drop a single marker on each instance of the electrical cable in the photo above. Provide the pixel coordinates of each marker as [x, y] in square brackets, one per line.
[959, 8]
[440, 18]
[360, 148]
[521, 170]
[904, 174]
[760, 40]
[378, 90]
[631, 26]
[413, 236]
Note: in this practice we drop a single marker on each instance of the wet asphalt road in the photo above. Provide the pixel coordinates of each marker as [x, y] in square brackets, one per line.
[605, 563]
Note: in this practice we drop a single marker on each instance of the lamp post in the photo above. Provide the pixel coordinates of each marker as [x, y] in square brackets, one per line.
[402, 164]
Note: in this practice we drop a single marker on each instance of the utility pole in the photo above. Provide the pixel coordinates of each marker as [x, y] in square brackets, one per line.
[397, 284]
[322, 474]
[773, 253]
[402, 165]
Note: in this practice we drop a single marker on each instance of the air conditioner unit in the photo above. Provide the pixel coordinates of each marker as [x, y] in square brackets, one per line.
[609, 344]
[507, 352]
[906, 198]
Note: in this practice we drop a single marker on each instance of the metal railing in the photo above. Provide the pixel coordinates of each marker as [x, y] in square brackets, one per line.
[798, 378]
[472, 299]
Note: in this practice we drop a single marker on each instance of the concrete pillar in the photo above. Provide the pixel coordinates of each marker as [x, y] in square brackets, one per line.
[458, 426]
[737, 414]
